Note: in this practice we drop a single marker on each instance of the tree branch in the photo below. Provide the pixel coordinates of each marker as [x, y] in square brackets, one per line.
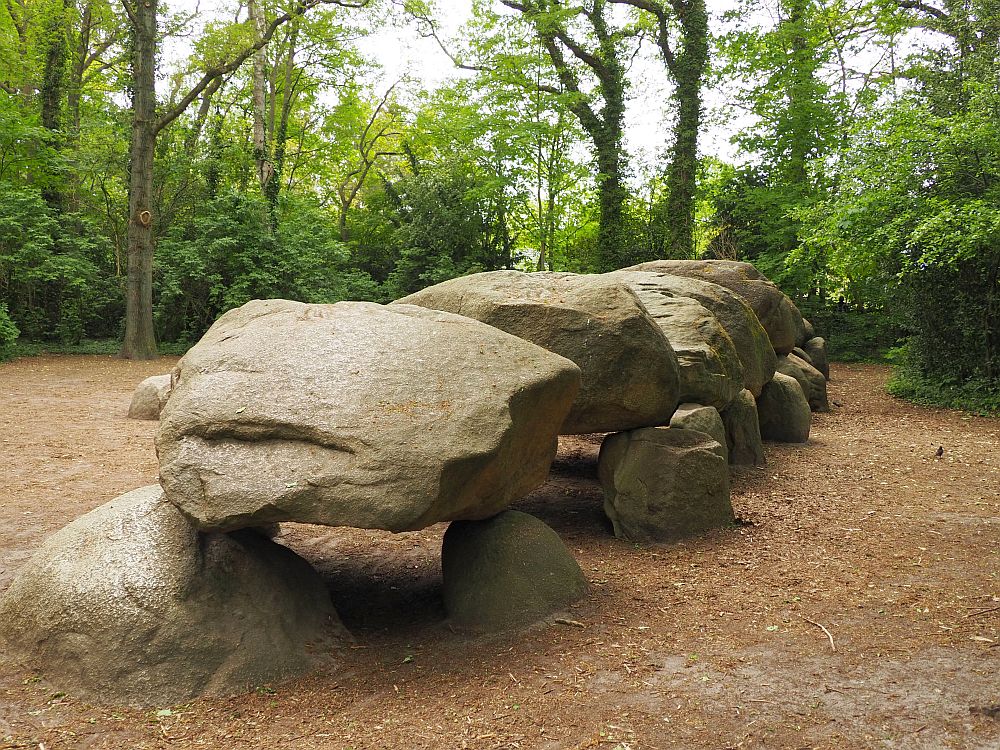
[217, 72]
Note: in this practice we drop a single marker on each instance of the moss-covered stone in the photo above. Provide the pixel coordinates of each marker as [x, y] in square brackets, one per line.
[662, 484]
[506, 572]
[783, 411]
[704, 419]
[743, 431]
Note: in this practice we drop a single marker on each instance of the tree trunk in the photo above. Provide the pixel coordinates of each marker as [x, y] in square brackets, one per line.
[280, 136]
[261, 147]
[76, 73]
[683, 169]
[611, 194]
[140, 339]
[51, 97]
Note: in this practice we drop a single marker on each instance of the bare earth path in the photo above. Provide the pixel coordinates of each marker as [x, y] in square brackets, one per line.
[713, 643]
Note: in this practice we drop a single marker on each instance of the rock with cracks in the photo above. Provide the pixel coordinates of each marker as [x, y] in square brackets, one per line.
[358, 414]
[506, 572]
[630, 372]
[776, 312]
[743, 431]
[783, 411]
[150, 397]
[704, 419]
[662, 484]
[130, 604]
[710, 369]
[812, 381]
[735, 316]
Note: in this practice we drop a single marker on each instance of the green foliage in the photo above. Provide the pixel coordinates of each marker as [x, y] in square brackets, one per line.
[977, 396]
[53, 270]
[452, 225]
[916, 226]
[227, 256]
[8, 333]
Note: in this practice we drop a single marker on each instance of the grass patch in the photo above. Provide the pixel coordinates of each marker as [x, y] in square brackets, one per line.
[105, 347]
[980, 397]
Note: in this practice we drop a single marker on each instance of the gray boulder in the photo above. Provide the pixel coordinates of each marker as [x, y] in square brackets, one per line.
[358, 414]
[743, 431]
[630, 372]
[704, 419]
[802, 354]
[130, 604]
[149, 398]
[812, 381]
[735, 316]
[662, 484]
[776, 312]
[783, 411]
[710, 369]
[506, 572]
[816, 349]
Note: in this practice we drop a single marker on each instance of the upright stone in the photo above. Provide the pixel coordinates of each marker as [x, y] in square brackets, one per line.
[812, 381]
[816, 349]
[506, 572]
[783, 411]
[149, 397]
[807, 333]
[662, 484]
[130, 604]
[743, 431]
[630, 371]
[358, 414]
[704, 419]
[776, 312]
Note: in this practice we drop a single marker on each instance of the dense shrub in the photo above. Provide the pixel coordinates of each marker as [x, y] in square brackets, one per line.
[8, 333]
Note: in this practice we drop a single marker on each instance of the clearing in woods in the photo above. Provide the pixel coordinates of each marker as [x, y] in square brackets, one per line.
[858, 607]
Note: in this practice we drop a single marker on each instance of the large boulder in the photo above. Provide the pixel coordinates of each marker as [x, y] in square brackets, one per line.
[710, 369]
[506, 572]
[630, 373]
[815, 348]
[704, 419]
[358, 414]
[736, 317]
[783, 411]
[812, 381]
[149, 397]
[743, 431]
[662, 484]
[776, 312]
[130, 604]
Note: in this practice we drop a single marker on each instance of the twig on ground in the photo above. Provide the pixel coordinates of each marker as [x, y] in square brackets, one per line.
[572, 623]
[833, 646]
[983, 611]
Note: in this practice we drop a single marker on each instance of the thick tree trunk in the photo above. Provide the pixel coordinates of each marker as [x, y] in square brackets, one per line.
[683, 169]
[140, 339]
[51, 95]
[261, 147]
[611, 194]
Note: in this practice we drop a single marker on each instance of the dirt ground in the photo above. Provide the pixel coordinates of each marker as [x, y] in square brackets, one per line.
[711, 643]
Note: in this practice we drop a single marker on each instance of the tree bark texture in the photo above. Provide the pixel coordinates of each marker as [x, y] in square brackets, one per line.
[682, 171]
[140, 338]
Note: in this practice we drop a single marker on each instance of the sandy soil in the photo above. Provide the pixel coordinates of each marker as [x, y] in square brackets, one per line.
[711, 643]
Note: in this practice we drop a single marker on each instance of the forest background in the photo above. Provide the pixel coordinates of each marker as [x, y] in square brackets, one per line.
[160, 165]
